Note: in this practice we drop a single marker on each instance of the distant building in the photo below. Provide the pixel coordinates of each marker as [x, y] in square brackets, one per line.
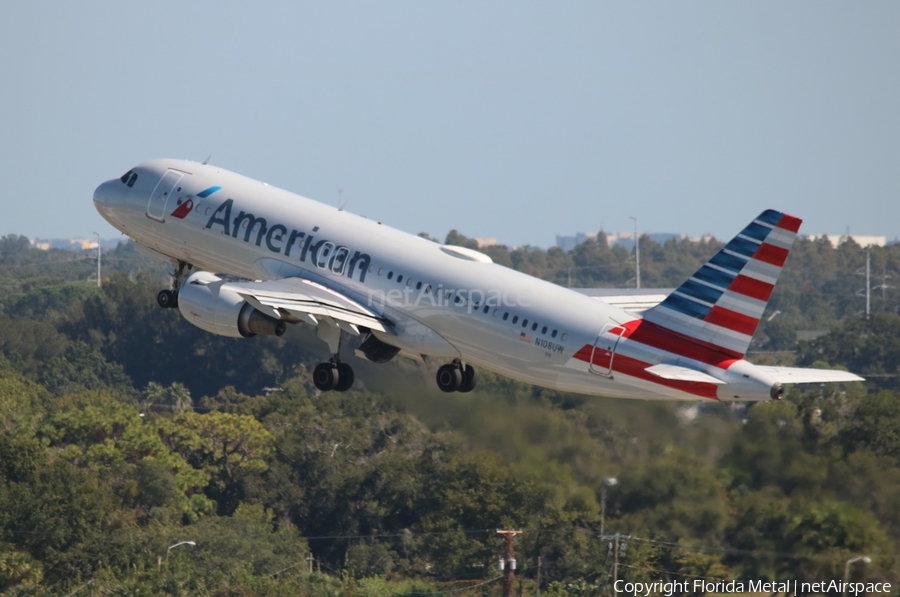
[861, 239]
[72, 244]
[567, 243]
[485, 242]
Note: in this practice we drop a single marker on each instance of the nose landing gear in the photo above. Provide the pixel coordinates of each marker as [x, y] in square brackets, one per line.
[456, 377]
[168, 299]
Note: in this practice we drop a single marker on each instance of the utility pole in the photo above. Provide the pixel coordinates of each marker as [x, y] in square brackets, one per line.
[616, 561]
[615, 546]
[867, 291]
[607, 482]
[310, 559]
[637, 254]
[883, 286]
[868, 283]
[508, 561]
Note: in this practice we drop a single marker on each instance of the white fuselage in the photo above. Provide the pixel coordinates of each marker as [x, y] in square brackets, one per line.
[442, 302]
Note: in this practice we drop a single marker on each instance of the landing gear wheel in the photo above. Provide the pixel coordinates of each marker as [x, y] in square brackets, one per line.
[345, 377]
[167, 299]
[449, 378]
[468, 379]
[326, 376]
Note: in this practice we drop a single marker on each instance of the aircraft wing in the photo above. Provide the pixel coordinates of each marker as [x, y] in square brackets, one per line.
[798, 375]
[633, 300]
[298, 299]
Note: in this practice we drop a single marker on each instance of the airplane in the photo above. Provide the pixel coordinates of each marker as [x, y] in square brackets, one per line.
[251, 259]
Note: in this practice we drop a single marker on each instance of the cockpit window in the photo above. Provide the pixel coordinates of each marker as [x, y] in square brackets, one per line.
[129, 178]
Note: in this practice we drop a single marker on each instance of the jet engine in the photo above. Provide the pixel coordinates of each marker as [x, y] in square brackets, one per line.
[206, 301]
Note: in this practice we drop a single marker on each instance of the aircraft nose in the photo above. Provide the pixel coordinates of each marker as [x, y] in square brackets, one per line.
[103, 194]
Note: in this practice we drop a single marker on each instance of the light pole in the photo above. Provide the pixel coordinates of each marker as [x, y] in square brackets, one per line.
[863, 559]
[607, 482]
[637, 254]
[98, 259]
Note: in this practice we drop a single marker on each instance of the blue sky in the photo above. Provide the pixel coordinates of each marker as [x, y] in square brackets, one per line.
[517, 120]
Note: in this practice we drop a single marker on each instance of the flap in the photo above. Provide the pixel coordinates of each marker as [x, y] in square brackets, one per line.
[294, 298]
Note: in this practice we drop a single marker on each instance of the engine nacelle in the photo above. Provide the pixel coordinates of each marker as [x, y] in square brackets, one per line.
[208, 303]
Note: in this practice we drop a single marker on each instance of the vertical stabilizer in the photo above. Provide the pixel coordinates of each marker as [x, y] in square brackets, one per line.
[722, 303]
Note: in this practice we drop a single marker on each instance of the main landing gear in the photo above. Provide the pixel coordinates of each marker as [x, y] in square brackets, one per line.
[168, 299]
[456, 377]
[333, 375]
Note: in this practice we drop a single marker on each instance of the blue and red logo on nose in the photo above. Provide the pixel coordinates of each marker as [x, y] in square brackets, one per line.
[185, 206]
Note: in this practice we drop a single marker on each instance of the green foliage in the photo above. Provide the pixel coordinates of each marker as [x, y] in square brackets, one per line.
[870, 347]
[81, 368]
[22, 403]
[124, 431]
[675, 495]
[19, 570]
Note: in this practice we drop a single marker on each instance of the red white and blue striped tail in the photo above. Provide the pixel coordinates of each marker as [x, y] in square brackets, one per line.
[722, 303]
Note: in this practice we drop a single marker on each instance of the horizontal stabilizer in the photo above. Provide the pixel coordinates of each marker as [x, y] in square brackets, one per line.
[798, 375]
[682, 374]
[632, 300]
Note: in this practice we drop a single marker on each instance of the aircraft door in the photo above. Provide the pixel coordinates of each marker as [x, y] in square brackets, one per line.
[156, 207]
[604, 350]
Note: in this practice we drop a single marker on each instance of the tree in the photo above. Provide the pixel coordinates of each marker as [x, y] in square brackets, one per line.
[224, 445]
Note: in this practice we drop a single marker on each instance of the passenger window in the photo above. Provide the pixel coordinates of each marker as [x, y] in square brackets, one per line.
[380, 270]
[399, 278]
[515, 319]
[524, 323]
[553, 335]
[534, 326]
[486, 309]
[409, 282]
[496, 312]
[390, 275]
[564, 336]
[418, 286]
[371, 267]
[506, 316]
[544, 330]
